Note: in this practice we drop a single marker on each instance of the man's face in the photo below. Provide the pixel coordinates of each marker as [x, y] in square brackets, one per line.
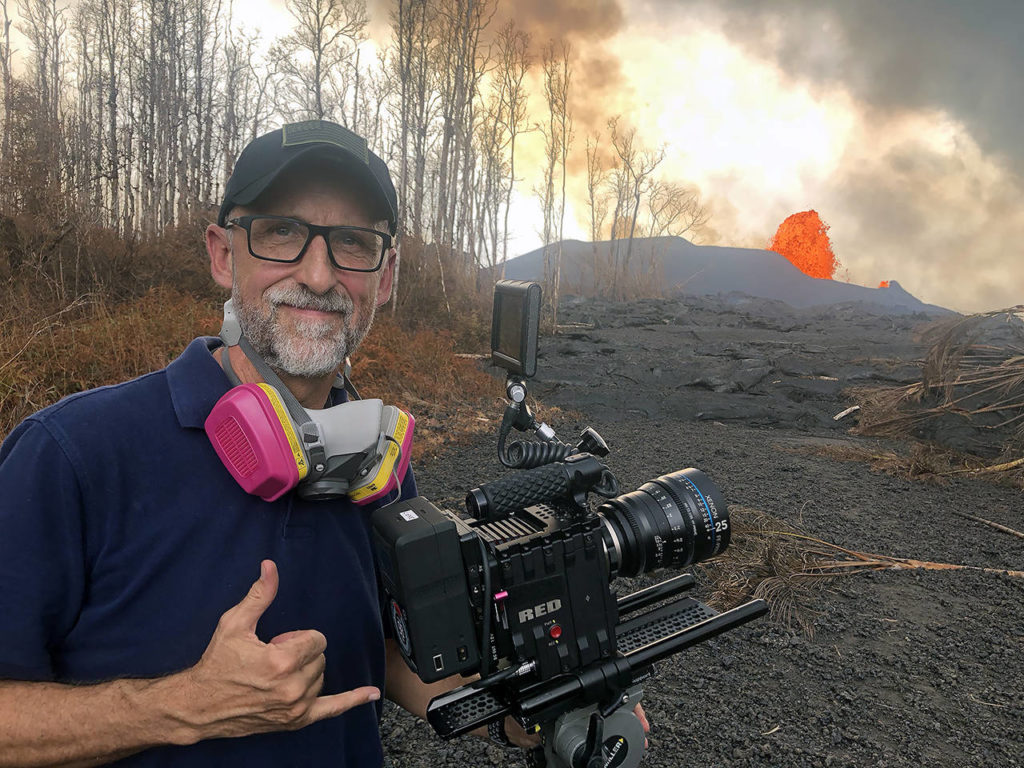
[302, 318]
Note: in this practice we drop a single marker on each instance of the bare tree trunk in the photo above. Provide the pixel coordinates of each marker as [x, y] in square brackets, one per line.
[451, 67]
[422, 119]
[566, 130]
[404, 43]
[516, 62]
[8, 86]
[552, 151]
[111, 53]
[355, 100]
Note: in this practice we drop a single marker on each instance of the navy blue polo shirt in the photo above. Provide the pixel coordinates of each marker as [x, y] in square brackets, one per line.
[123, 539]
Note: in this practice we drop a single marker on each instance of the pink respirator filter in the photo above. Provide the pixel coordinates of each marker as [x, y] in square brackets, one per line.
[395, 466]
[249, 437]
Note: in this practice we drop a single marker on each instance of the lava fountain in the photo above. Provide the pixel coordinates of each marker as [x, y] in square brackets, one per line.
[803, 239]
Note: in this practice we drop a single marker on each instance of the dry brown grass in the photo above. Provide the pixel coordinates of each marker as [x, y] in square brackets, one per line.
[451, 396]
[921, 461]
[90, 342]
[94, 341]
[924, 462]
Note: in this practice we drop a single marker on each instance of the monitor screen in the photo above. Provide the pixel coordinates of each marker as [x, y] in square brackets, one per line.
[514, 325]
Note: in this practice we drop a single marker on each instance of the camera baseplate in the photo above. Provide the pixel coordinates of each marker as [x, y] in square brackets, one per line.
[641, 640]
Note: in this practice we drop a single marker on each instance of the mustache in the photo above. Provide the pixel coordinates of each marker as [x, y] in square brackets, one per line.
[303, 298]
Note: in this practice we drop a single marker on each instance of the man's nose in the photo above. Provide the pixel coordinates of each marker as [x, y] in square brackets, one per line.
[315, 270]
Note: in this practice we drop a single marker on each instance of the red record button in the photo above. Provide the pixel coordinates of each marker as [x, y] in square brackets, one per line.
[555, 631]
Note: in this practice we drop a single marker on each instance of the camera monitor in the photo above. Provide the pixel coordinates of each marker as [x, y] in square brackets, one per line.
[514, 325]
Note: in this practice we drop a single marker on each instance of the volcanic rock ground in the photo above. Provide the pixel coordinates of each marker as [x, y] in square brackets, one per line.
[904, 668]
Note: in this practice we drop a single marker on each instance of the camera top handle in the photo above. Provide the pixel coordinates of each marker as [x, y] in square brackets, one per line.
[570, 480]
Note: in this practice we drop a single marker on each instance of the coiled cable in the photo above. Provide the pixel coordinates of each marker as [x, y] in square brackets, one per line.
[522, 454]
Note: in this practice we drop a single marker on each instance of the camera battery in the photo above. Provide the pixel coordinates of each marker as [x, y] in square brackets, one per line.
[425, 582]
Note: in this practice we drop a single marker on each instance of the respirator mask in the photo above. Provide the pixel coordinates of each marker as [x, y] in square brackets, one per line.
[271, 444]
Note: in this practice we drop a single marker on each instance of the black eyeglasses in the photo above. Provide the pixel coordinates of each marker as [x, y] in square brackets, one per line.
[285, 240]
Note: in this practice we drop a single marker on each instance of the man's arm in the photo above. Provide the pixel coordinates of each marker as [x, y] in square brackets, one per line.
[405, 689]
[240, 686]
[53, 724]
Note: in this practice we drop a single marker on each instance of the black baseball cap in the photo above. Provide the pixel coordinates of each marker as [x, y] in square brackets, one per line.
[266, 156]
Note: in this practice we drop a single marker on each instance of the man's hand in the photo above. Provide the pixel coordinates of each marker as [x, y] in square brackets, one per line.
[642, 717]
[242, 685]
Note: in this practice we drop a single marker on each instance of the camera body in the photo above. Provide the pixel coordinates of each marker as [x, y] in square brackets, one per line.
[550, 586]
[518, 591]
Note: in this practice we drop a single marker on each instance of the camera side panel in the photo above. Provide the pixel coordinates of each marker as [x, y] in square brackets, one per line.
[559, 611]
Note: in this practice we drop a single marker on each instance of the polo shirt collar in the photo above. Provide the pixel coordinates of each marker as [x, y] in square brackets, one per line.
[196, 382]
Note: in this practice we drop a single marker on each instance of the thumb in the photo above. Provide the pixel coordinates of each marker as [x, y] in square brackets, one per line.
[261, 594]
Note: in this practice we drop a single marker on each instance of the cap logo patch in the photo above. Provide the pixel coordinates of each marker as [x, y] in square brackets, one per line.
[321, 132]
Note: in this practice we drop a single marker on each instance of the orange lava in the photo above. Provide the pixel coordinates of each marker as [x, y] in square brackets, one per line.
[884, 284]
[803, 239]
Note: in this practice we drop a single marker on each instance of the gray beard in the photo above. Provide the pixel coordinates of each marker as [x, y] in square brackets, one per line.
[318, 348]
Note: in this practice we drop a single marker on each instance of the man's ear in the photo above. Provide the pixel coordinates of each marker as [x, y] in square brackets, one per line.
[219, 249]
[387, 277]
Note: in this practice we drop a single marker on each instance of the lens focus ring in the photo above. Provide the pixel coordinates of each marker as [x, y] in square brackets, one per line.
[672, 521]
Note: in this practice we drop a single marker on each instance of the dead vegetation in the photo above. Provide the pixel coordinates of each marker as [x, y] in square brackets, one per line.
[923, 462]
[89, 342]
[974, 372]
[96, 340]
[964, 418]
[776, 561]
[451, 395]
[966, 414]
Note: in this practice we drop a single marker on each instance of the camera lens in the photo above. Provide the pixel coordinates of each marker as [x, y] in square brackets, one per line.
[673, 521]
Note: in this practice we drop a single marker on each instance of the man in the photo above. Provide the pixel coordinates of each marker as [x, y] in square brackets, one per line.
[128, 626]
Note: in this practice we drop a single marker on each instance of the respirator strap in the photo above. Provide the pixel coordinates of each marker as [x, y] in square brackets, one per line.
[344, 381]
[308, 432]
[295, 409]
[231, 335]
[229, 369]
[349, 387]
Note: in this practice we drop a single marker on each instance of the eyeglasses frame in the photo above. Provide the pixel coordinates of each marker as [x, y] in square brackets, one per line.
[324, 231]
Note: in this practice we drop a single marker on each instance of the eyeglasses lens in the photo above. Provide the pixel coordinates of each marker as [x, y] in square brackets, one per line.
[281, 239]
[356, 249]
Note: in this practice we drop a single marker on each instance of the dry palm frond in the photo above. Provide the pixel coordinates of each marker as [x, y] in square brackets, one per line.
[760, 563]
[969, 385]
[923, 461]
[989, 523]
[954, 347]
[773, 560]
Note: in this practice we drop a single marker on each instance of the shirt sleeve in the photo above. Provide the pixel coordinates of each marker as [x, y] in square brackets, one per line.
[41, 551]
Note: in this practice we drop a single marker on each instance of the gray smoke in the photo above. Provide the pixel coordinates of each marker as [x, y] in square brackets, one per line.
[964, 57]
